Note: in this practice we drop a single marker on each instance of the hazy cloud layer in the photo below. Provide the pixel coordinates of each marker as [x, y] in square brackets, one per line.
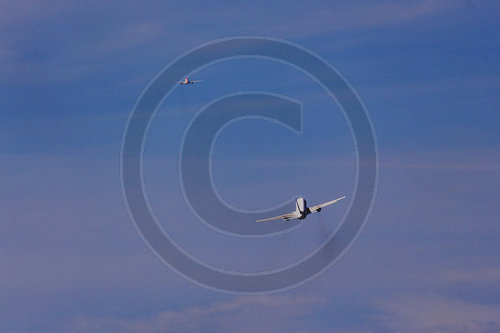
[244, 314]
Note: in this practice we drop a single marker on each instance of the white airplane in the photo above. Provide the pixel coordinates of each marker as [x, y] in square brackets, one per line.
[301, 210]
[188, 81]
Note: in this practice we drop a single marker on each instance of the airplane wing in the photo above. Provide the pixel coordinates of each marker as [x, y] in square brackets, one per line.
[285, 216]
[317, 208]
[196, 81]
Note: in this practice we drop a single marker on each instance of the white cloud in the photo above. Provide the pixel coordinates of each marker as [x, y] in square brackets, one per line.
[431, 313]
[271, 313]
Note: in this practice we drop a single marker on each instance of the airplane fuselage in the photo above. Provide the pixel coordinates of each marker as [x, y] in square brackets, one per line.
[301, 209]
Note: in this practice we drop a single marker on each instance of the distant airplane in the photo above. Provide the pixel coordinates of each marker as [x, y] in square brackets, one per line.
[188, 81]
[301, 210]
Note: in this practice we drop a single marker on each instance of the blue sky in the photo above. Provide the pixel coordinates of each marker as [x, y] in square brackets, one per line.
[428, 73]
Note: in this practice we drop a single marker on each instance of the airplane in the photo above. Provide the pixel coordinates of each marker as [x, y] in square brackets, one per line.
[301, 210]
[188, 81]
